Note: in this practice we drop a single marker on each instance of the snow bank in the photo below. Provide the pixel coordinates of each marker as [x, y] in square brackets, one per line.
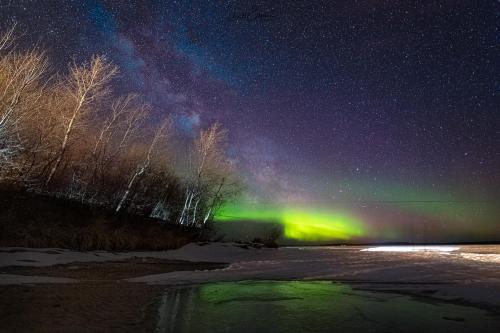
[54, 256]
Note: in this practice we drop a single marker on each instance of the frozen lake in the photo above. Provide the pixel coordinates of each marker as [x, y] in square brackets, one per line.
[452, 288]
[284, 306]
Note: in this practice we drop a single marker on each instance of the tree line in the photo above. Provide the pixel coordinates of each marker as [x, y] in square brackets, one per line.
[69, 135]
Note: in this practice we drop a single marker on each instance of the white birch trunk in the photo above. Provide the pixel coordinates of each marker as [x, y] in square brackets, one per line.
[194, 211]
[138, 172]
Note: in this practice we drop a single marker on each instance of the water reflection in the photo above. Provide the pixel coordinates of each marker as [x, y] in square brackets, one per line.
[271, 306]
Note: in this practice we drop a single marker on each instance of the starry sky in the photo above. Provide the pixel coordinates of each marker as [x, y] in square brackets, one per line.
[387, 109]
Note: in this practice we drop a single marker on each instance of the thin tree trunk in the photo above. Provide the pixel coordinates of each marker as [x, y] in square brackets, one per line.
[181, 218]
[64, 143]
[214, 200]
[127, 191]
[194, 211]
[207, 216]
[185, 214]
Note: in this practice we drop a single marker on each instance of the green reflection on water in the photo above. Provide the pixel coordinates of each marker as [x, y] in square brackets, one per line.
[271, 306]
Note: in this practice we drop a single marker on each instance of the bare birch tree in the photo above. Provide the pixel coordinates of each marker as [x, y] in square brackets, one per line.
[39, 133]
[20, 89]
[210, 173]
[119, 128]
[160, 136]
[86, 86]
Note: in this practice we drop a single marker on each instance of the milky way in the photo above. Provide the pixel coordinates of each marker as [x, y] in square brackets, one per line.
[386, 109]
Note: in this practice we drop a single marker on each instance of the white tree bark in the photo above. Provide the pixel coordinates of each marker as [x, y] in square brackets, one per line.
[87, 84]
[160, 133]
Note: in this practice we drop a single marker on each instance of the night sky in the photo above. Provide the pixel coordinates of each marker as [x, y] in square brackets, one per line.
[387, 109]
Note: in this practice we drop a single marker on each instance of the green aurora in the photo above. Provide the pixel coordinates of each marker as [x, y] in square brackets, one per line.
[298, 223]
[394, 213]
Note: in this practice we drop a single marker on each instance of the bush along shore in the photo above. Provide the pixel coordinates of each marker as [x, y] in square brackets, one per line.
[34, 220]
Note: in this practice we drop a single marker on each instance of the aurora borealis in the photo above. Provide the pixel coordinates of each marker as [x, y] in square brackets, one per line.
[310, 224]
[441, 217]
[359, 222]
[349, 121]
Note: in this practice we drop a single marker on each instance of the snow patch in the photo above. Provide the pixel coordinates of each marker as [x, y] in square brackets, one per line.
[412, 248]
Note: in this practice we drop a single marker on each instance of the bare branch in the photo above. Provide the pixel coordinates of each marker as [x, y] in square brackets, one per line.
[86, 84]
